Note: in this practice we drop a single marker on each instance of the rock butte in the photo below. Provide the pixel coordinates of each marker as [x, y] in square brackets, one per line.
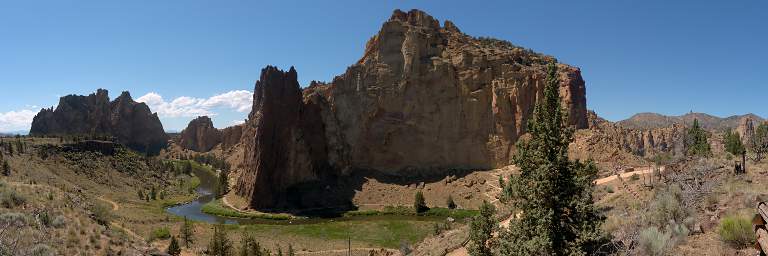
[423, 99]
[130, 123]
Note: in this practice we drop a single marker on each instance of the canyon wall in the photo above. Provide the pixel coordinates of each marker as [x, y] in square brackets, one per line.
[423, 99]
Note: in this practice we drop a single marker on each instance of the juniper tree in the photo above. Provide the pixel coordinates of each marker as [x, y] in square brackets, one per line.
[6, 168]
[187, 232]
[450, 203]
[759, 143]
[696, 143]
[419, 205]
[173, 247]
[555, 213]
[481, 231]
[732, 143]
[220, 245]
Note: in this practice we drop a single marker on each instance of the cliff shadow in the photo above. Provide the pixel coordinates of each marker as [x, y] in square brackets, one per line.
[332, 195]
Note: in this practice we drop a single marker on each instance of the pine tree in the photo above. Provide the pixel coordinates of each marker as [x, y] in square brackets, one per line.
[141, 194]
[696, 143]
[419, 204]
[6, 168]
[187, 232]
[219, 244]
[173, 247]
[152, 193]
[555, 213]
[481, 231]
[732, 143]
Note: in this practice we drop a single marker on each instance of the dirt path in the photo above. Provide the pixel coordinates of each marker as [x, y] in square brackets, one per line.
[116, 207]
[344, 250]
[626, 175]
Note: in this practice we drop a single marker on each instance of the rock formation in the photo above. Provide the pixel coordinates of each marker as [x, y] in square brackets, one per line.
[200, 135]
[423, 99]
[746, 130]
[231, 136]
[129, 122]
[283, 139]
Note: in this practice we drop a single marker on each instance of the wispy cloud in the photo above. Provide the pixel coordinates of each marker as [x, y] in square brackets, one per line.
[240, 101]
[16, 120]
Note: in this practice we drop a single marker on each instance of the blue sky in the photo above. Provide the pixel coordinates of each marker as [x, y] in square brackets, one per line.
[670, 57]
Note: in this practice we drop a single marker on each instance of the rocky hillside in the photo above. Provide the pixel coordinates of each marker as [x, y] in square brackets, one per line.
[645, 121]
[423, 99]
[130, 122]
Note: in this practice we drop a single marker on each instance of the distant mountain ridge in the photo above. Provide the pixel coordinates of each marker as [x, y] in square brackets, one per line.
[646, 121]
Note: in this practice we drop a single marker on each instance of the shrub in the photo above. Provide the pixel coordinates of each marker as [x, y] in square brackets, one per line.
[634, 177]
[101, 214]
[41, 250]
[59, 221]
[160, 233]
[736, 231]
[653, 242]
[450, 203]
[667, 207]
[609, 189]
[11, 199]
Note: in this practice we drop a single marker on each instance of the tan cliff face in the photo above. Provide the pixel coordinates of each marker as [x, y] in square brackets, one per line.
[129, 122]
[423, 99]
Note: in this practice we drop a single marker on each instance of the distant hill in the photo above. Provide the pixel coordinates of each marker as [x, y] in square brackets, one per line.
[645, 121]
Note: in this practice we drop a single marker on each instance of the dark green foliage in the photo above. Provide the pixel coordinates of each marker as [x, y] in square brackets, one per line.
[419, 205]
[173, 247]
[552, 194]
[6, 168]
[223, 186]
[220, 245]
[141, 194]
[481, 231]
[187, 167]
[732, 143]
[101, 214]
[250, 247]
[450, 203]
[152, 193]
[759, 143]
[187, 232]
[696, 143]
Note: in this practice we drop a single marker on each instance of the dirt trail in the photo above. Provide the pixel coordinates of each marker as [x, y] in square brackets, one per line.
[116, 207]
[344, 250]
[626, 175]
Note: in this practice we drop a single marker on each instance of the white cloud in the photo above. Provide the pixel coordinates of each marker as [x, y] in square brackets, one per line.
[236, 122]
[240, 101]
[16, 120]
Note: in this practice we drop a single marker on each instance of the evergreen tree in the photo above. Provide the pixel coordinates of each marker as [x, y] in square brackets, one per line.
[219, 244]
[419, 204]
[173, 247]
[481, 231]
[250, 247]
[732, 143]
[187, 232]
[152, 193]
[759, 143]
[187, 167]
[555, 212]
[696, 143]
[141, 194]
[6, 168]
[450, 203]
[223, 183]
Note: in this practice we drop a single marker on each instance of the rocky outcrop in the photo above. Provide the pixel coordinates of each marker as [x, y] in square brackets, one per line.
[129, 122]
[283, 146]
[746, 129]
[231, 136]
[429, 98]
[423, 99]
[646, 121]
[200, 135]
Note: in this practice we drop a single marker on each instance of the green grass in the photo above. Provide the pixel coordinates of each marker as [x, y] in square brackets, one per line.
[385, 233]
[407, 211]
[736, 230]
[160, 233]
[215, 207]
